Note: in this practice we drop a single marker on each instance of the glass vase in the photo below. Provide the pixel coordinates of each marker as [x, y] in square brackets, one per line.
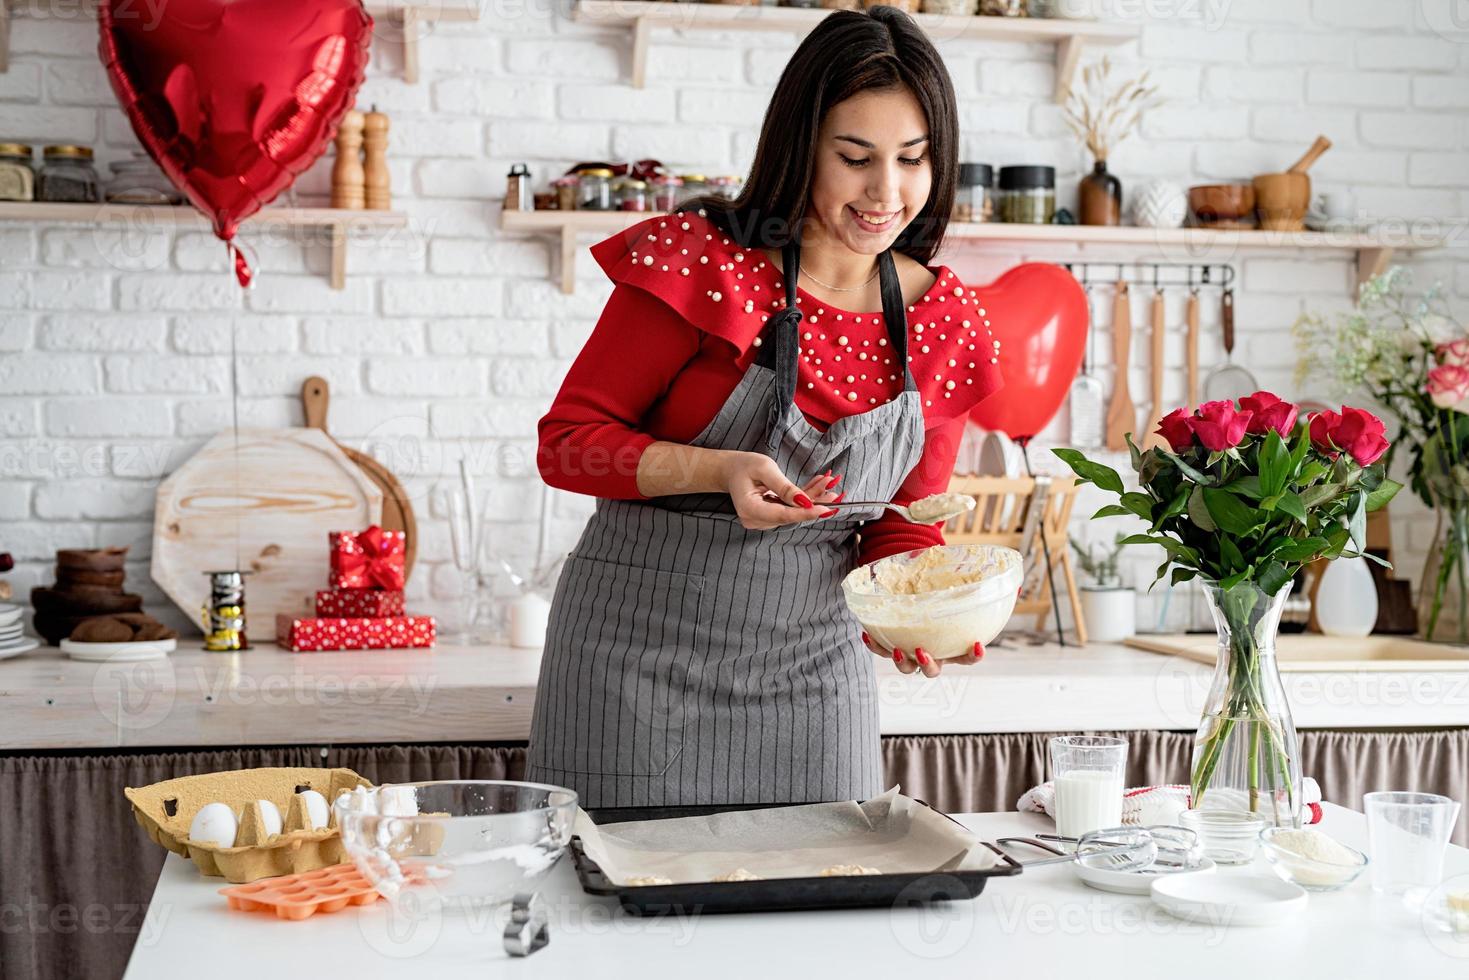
[1246, 755]
[1443, 596]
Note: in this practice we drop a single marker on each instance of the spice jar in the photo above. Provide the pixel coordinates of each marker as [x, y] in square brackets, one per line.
[17, 179]
[594, 190]
[665, 190]
[694, 185]
[566, 192]
[974, 198]
[632, 195]
[517, 188]
[68, 175]
[1004, 8]
[1027, 194]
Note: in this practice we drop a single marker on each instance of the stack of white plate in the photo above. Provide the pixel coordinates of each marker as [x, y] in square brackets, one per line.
[13, 641]
[118, 653]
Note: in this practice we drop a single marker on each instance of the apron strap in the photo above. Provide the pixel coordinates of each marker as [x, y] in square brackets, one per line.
[781, 349]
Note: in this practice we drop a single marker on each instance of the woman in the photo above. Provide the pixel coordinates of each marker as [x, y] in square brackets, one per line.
[700, 651]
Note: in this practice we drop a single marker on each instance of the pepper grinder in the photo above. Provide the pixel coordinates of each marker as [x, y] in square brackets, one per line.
[379, 194]
[348, 177]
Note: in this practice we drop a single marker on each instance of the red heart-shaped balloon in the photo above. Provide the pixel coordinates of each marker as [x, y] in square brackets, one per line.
[1038, 312]
[234, 98]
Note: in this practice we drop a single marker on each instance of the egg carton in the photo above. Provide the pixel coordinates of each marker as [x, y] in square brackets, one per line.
[166, 809]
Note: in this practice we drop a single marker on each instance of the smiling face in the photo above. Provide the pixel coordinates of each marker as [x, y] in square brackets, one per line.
[873, 173]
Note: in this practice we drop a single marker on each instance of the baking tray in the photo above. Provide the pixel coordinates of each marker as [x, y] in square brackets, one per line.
[777, 894]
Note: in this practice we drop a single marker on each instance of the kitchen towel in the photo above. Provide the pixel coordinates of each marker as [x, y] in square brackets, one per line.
[1148, 805]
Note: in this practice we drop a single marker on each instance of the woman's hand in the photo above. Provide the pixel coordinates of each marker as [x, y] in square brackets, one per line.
[752, 480]
[910, 660]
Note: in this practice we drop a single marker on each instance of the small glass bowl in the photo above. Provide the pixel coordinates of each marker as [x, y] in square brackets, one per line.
[1229, 836]
[1309, 873]
[946, 620]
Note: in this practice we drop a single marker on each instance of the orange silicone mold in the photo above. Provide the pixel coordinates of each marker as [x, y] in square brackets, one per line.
[302, 895]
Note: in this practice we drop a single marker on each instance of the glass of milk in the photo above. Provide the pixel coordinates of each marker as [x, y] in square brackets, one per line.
[1088, 772]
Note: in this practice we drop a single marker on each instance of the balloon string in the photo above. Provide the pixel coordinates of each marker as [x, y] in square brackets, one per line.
[244, 280]
[243, 273]
[1024, 443]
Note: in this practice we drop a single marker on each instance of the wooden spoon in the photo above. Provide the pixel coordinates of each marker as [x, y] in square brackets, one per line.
[1121, 412]
[1192, 349]
[397, 509]
[1151, 437]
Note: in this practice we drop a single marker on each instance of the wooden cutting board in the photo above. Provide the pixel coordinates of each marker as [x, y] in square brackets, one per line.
[397, 508]
[272, 503]
[1314, 652]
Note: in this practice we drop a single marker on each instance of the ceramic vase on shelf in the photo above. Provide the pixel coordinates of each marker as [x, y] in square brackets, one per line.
[1099, 197]
[1111, 614]
[1246, 755]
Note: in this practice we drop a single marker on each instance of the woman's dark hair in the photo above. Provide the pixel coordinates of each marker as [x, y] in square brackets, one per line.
[848, 52]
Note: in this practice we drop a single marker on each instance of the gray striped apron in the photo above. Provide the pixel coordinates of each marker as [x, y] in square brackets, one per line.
[692, 661]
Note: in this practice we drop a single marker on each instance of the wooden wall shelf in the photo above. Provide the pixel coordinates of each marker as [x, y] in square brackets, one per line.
[1070, 37]
[336, 222]
[1374, 250]
[400, 23]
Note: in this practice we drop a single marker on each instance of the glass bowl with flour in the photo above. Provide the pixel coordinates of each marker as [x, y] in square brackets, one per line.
[943, 599]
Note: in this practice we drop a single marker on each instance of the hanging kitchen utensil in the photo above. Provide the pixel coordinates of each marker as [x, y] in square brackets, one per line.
[1192, 347]
[1160, 333]
[1087, 400]
[1121, 412]
[397, 509]
[1229, 381]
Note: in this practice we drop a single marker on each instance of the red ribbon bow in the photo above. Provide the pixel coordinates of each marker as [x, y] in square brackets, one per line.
[376, 563]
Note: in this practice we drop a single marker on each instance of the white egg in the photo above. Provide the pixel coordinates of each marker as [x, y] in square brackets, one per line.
[214, 824]
[316, 812]
[272, 817]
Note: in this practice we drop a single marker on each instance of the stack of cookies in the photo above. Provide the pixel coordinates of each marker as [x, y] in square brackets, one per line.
[88, 602]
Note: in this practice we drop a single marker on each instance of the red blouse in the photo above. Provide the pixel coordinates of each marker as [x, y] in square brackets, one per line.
[682, 326]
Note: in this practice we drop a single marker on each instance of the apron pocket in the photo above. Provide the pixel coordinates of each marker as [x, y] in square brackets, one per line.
[629, 644]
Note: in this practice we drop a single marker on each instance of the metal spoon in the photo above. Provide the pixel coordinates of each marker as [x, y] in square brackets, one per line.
[961, 505]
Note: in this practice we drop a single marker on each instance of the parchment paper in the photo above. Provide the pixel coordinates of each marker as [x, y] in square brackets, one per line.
[893, 833]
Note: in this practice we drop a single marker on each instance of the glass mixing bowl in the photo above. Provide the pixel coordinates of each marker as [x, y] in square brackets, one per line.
[943, 599]
[465, 844]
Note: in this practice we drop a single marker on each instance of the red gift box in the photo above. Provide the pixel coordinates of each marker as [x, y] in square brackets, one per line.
[359, 602]
[370, 559]
[302, 633]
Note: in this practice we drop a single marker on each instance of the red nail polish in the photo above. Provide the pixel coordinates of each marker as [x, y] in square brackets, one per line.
[830, 513]
[834, 481]
[897, 656]
[803, 501]
[868, 639]
[978, 651]
[923, 658]
[838, 498]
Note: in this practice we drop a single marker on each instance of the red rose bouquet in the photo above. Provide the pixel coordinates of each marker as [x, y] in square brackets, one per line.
[1243, 495]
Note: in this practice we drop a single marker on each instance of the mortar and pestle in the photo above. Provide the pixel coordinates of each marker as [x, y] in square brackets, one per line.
[1282, 199]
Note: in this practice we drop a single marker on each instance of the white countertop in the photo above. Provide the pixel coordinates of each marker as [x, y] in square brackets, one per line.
[1041, 923]
[268, 696]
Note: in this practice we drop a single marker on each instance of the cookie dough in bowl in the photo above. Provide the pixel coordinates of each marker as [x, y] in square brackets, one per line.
[943, 599]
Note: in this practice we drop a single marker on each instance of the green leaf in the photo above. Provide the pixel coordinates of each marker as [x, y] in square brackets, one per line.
[1112, 510]
[1231, 581]
[1272, 578]
[1246, 486]
[1377, 499]
[1229, 512]
[1134, 453]
[1268, 504]
[1230, 552]
[1302, 549]
[1089, 471]
[1176, 549]
[1357, 521]
[1275, 468]
[1138, 503]
[1292, 504]
[1198, 513]
[1181, 575]
[1174, 508]
[1186, 469]
[1318, 495]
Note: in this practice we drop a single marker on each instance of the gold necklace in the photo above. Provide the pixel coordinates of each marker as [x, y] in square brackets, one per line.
[841, 289]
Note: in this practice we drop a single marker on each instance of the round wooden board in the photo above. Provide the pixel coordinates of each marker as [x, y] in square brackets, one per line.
[266, 509]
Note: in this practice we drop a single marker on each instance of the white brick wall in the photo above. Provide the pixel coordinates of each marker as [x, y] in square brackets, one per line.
[451, 338]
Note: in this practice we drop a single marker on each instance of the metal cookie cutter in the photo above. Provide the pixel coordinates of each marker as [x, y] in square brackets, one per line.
[529, 927]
